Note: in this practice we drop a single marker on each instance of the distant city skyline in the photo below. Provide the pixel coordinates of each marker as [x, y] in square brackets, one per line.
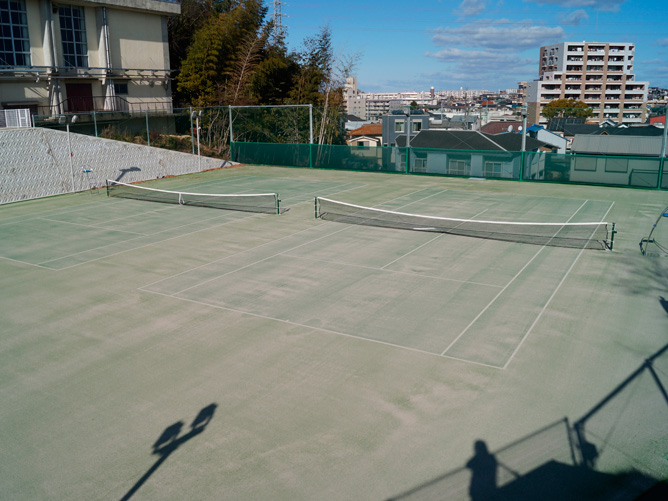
[474, 44]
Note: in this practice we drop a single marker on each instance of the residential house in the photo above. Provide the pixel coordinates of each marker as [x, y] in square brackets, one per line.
[367, 135]
[467, 153]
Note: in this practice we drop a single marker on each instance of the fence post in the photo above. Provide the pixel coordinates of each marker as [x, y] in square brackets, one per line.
[522, 167]
[661, 164]
[95, 123]
[192, 136]
[229, 108]
[148, 132]
[408, 159]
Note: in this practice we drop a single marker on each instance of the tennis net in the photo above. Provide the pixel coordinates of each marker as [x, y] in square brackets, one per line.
[251, 202]
[573, 235]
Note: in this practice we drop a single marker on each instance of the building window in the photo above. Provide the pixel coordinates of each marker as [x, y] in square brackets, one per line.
[416, 126]
[420, 165]
[492, 169]
[73, 35]
[399, 126]
[459, 167]
[14, 43]
[121, 89]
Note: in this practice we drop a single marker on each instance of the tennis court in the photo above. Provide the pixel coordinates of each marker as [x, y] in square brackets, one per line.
[160, 351]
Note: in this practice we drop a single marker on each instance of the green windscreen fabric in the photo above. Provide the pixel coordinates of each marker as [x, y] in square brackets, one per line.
[636, 172]
[360, 158]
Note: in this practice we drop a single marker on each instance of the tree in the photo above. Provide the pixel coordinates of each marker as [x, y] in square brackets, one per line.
[566, 108]
[217, 47]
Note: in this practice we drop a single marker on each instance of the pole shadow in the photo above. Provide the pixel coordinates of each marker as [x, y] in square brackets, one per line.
[125, 171]
[170, 440]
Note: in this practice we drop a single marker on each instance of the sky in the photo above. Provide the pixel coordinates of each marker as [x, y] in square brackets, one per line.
[473, 44]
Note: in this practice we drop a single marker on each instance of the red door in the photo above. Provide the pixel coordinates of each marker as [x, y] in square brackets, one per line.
[79, 97]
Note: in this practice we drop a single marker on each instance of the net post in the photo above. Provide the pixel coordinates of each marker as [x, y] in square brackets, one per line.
[612, 236]
[662, 163]
[315, 207]
[107, 183]
[278, 204]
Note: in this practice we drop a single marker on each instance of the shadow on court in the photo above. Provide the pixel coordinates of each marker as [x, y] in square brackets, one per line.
[170, 440]
[664, 303]
[556, 462]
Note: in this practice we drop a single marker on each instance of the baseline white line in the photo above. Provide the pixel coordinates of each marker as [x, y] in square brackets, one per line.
[321, 329]
[417, 275]
[91, 226]
[489, 305]
[26, 263]
[563, 279]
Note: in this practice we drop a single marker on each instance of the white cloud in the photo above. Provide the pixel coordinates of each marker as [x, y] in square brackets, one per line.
[488, 69]
[602, 5]
[471, 7]
[501, 34]
[663, 42]
[574, 18]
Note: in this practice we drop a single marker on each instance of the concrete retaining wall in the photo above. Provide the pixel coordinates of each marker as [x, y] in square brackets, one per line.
[36, 163]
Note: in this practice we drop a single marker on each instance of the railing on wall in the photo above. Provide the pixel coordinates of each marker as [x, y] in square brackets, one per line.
[89, 104]
[15, 118]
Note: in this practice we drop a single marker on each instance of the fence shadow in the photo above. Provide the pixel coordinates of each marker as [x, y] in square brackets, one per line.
[556, 462]
[170, 440]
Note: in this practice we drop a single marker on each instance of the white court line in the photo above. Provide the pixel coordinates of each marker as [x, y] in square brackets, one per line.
[26, 262]
[141, 235]
[321, 329]
[374, 268]
[270, 257]
[257, 247]
[140, 246]
[430, 241]
[563, 279]
[489, 305]
[91, 226]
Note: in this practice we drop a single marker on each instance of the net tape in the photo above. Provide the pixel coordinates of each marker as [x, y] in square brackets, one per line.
[249, 202]
[573, 235]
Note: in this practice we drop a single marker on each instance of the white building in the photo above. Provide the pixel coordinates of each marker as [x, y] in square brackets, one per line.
[94, 55]
[599, 74]
[373, 105]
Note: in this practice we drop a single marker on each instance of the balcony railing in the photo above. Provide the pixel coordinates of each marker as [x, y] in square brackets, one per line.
[85, 104]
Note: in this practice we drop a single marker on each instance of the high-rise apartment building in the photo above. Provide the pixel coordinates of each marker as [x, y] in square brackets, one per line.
[599, 74]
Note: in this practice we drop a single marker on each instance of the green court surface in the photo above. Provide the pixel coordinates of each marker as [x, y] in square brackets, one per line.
[165, 352]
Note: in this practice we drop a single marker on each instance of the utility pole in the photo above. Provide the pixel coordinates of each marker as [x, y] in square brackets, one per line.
[279, 28]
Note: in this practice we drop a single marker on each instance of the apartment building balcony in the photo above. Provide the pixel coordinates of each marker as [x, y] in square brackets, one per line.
[574, 68]
[593, 68]
[592, 97]
[615, 69]
[594, 78]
